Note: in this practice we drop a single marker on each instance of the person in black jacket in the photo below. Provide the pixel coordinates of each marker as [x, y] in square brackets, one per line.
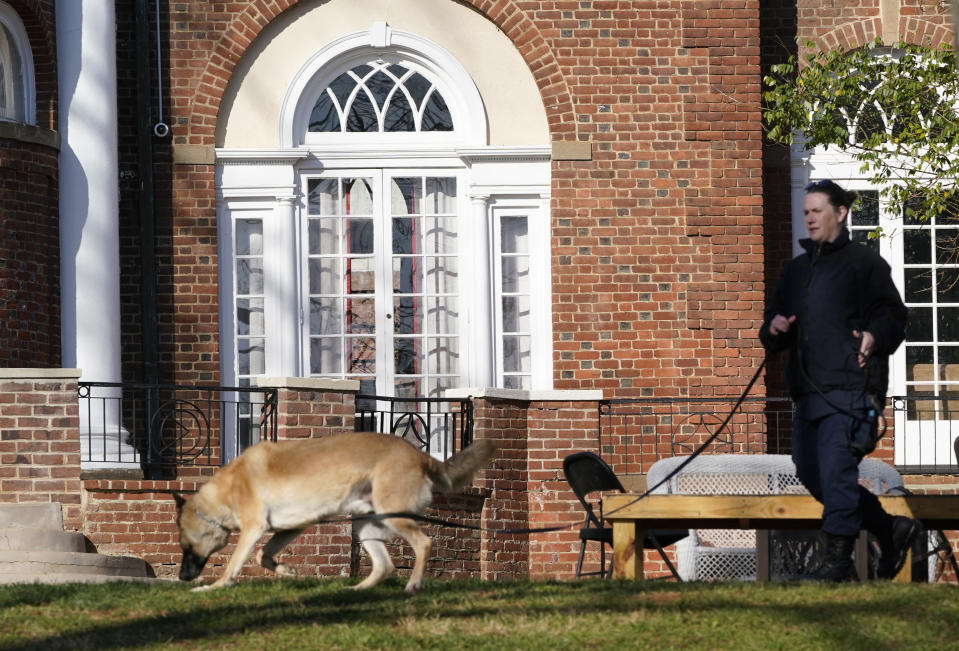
[838, 313]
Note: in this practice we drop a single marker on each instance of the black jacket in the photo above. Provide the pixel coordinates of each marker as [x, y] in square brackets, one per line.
[842, 287]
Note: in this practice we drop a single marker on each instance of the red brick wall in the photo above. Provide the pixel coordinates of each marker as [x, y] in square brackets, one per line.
[39, 440]
[29, 227]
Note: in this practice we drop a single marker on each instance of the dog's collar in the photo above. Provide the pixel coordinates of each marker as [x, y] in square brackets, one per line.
[209, 520]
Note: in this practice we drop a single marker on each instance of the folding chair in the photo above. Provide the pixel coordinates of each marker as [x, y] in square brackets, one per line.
[588, 473]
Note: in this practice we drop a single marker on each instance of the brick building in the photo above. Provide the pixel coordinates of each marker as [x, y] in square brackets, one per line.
[550, 202]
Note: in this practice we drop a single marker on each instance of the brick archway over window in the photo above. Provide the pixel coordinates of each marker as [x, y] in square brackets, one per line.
[852, 35]
[247, 26]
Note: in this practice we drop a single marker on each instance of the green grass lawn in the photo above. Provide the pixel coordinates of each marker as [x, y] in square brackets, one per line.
[325, 614]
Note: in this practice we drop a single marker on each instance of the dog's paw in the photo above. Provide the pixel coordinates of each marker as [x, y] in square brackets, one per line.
[284, 570]
[413, 588]
[202, 588]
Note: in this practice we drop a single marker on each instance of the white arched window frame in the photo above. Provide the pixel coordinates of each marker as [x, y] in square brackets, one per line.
[17, 91]
[493, 183]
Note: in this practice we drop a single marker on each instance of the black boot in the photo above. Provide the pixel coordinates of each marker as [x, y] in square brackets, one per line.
[895, 544]
[837, 565]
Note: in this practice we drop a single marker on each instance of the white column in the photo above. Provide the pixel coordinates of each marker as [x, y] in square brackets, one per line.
[479, 311]
[283, 304]
[89, 210]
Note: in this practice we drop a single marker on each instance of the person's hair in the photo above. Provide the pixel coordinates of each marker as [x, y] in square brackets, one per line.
[838, 196]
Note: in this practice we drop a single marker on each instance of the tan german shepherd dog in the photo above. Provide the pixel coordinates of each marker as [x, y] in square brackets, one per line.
[287, 486]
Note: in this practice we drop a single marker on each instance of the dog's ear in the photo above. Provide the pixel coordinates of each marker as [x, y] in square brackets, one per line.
[179, 499]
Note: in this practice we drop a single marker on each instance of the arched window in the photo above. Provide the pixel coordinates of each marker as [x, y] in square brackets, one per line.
[380, 97]
[16, 69]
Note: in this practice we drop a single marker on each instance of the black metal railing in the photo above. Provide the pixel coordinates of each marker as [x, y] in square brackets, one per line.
[635, 433]
[160, 427]
[438, 426]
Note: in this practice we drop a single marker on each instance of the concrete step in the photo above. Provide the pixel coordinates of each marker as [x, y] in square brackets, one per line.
[29, 539]
[42, 563]
[33, 515]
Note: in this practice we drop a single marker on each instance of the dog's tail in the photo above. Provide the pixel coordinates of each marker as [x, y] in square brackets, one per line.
[459, 469]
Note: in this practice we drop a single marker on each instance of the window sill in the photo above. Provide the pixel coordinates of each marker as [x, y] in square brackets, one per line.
[29, 133]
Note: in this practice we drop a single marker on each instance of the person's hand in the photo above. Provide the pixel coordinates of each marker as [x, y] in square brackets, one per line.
[866, 343]
[780, 324]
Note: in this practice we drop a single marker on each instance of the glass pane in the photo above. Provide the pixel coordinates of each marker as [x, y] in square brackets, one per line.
[250, 356]
[362, 115]
[326, 355]
[323, 196]
[919, 362]
[325, 277]
[866, 210]
[919, 324]
[441, 235]
[399, 115]
[516, 314]
[516, 274]
[442, 275]
[440, 196]
[324, 118]
[418, 86]
[249, 237]
[326, 316]
[249, 276]
[862, 237]
[361, 316]
[406, 196]
[323, 236]
[948, 324]
[359, 198]
[407, 315]
[405, 231]
[436, 116]
[380, 85]
[405, 351]
[407, 276]
[916, 246]
[918, 285]
[359, 236]
[408, 388]
[513, 235]
[946, 243]
[516, 382]
[360, 277]
[442, 316]
[516, 354]
[443, 355]
[249, 316]
[362, 351]
[916, 407]
[947, 285]
[341, 88]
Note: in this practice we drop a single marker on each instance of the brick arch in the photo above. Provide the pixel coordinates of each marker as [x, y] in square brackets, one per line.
[913, 29]
[851, 35]
[258, 14]
[41, 30]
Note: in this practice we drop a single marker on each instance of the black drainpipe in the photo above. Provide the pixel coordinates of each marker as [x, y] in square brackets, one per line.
[147, 208]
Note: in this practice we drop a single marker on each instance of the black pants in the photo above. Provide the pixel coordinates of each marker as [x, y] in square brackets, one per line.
[828, 466]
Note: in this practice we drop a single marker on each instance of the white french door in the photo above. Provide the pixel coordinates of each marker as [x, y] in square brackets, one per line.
[381, 285]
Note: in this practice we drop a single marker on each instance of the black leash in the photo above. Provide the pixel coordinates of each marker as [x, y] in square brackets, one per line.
[675, 471]
[698, 451]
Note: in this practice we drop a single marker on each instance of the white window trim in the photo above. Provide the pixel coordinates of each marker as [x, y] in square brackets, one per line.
[453, 81]
[11, 20]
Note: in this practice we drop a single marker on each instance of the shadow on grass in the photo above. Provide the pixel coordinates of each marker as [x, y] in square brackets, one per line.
[831, 617]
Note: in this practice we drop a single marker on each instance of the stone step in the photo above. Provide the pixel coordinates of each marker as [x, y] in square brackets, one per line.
[33, 515]
[37, 564]
[29, 539]
[47, 579]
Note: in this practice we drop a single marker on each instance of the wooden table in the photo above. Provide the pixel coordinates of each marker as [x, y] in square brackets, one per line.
[631, 518]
